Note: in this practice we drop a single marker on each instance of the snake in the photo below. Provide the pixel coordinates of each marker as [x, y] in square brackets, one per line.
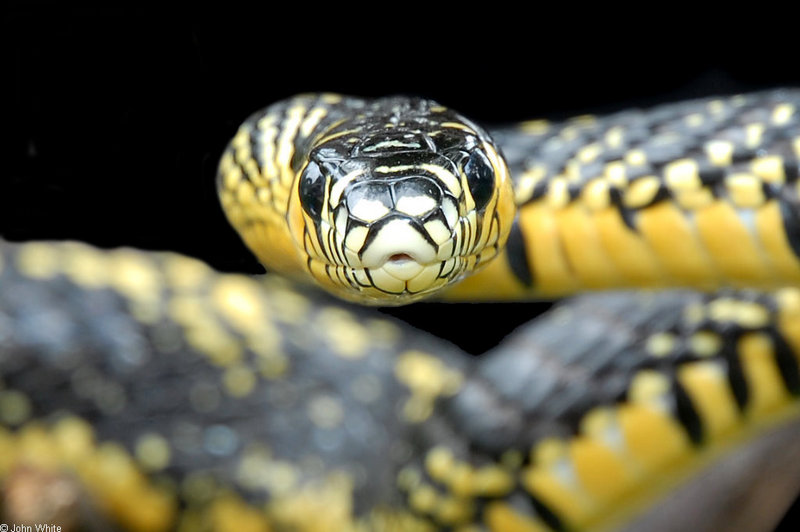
[146, 391]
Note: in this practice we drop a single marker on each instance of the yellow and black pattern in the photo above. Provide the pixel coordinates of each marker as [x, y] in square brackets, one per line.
[380, 202]
[701, 194]
[175, 396]
[165, 395]
[180, 397]
[686, 373]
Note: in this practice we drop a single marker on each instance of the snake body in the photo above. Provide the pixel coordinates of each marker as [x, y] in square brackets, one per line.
[172, 396]
[698, 194]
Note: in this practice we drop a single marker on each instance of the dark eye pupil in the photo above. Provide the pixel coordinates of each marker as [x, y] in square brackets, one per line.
[480, 177]
[312, 189]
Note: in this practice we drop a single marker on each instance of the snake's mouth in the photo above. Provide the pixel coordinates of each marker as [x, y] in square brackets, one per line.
[397, 256]
[401, 257]
[400, 276]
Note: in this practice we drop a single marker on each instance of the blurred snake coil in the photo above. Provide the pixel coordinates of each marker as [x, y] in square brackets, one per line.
[145, 391]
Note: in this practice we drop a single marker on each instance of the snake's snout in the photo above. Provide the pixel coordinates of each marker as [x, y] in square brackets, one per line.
[407, 223]
[397, 244]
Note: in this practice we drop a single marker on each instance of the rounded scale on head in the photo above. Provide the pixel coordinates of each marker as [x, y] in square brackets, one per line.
[400, 201]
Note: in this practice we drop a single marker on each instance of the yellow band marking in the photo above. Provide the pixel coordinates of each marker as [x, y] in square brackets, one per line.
[267, 137]
[753, 135]
[641, 192]
[616, 173]
[769, 168]
[584, 250]
[743, 313]
[682, 175]
[458, 125]
[601, 471]
[635, 157]
[675, 243]
[767, 390]
[719, 152]
[545, 250]
[736, 255]
[629, 253]
[228, 513]
[589, 153]
[558, 193]
[566, 499]
[660, 344]
[38, 260]
[238, 380]
[535, 127]
[707, 385]
[782, 113]
[745, 190]
[312, 120]
[614, 137]
[716, 107]
[653, 438]
[285, 145]
[705, 343]
[500, 517]
[694, 199]
[595, 194]
[85, 265]
[152, 451]
[772, 237]
[427, 378]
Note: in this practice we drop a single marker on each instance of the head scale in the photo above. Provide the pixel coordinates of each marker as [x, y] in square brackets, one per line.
[400, 200]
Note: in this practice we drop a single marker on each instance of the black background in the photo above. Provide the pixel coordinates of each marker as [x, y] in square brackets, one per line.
[116, 116]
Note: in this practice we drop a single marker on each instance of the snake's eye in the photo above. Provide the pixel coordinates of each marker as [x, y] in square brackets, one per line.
[480, 178]
[312, 189]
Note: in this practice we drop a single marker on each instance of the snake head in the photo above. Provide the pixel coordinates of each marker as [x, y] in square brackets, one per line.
[398, 200]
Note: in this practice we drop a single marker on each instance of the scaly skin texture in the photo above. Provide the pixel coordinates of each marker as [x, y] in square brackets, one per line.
[437, 191]
[174, 396]
[165, 395]
[698, 194]
[156, 380]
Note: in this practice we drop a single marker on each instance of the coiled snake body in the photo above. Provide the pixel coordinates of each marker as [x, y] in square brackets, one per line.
[174, 396]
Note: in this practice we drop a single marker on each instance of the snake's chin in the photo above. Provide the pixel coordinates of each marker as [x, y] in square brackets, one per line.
[398, 281]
